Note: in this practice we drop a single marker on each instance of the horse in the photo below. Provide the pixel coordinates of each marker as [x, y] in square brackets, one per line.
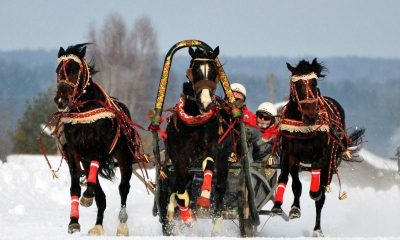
[312, 136]
[199, 120]
[93, 129]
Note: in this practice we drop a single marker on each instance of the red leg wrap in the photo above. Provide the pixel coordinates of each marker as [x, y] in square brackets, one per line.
[279, 192]
[315, 180]
[94, 167]
[74, 207]
[185, 213]
[207, 180]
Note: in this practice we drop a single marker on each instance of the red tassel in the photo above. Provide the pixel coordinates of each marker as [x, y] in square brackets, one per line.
[279, 192]
[94, 167]
[207, 180]
[74, 207]
[315, 180]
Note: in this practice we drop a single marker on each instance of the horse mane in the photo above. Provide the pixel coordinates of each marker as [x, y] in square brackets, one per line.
[78, 50]
[304, 67]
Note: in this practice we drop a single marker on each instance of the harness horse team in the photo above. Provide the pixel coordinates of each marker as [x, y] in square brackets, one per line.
[206, 170]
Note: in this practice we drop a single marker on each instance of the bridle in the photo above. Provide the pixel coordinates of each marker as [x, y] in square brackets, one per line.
[310, 96]
[204, 83]
[82, 78]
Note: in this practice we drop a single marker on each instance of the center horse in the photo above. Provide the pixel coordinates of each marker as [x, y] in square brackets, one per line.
[200, 118]
[312, 136]
[92, 129]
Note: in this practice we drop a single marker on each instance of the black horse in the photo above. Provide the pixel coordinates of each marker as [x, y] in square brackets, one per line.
[313, 137]
[93, 128]
[199, 120]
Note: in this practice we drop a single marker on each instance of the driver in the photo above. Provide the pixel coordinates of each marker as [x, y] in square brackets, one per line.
[257, 146]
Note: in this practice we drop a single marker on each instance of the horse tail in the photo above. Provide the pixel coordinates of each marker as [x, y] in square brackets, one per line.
[107, 168]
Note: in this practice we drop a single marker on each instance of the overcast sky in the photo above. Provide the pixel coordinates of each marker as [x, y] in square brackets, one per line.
[322, 28]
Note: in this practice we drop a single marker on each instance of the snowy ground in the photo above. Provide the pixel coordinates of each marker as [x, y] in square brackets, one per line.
[33, 206]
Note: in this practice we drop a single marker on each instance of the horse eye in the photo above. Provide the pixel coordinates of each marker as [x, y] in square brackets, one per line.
[313, 82]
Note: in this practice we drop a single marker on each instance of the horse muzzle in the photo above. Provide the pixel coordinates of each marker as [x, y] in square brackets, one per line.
[309, 111]
[63, 96]
[205, 100]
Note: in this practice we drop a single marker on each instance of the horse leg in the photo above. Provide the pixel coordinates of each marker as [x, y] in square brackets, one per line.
[296, 189]
[100, 199]
[319, 204]
[182, 196]
[126, 172]
[282, 181]
[220, 189]
[75, 192]
[87, 198]
[208, 169]
[315, 191]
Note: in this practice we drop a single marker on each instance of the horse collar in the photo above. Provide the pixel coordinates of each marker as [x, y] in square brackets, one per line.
[192, 120]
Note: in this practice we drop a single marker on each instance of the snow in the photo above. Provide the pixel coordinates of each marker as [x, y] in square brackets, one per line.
[378, 162]
[35, 206]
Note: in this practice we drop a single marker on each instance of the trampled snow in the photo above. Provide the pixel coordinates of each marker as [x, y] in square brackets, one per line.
[34, 206]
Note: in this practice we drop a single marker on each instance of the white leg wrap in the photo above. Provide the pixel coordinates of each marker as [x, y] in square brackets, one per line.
[206, 194]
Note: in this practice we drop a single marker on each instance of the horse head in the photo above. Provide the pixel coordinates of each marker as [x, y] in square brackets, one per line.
[73, 75]
[203, 76]
[304, 89]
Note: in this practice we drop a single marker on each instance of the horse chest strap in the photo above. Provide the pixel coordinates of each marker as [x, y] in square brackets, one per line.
[87, 117]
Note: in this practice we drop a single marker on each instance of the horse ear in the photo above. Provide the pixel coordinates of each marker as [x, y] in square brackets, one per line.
[291, 69]
[191, 52]
[314, 62]
[82, 53]
[216, 52]
[61, 52]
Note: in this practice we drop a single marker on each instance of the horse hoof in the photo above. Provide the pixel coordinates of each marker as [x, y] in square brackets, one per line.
[294, 213]
[203, 202]
[97, 230]
[318, 233]
[74, 227]
[189, 222]
[276, 211]
[217, 227]
[316, 195]
[86, 201]
[123, 230]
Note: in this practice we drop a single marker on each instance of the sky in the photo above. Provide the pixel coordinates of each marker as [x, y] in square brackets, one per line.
[261, 28]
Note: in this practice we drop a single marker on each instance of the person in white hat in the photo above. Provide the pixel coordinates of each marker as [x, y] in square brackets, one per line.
[266, 120]
[239, 91]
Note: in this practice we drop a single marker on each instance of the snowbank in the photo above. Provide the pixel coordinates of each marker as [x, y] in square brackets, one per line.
[34, 206]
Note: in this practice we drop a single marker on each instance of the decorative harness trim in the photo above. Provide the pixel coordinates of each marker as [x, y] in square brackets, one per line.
[192, 120]
[309, 76]
[87, 117]
[295, 126]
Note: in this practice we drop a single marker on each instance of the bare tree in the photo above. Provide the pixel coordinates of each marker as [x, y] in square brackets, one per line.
[127, 59]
